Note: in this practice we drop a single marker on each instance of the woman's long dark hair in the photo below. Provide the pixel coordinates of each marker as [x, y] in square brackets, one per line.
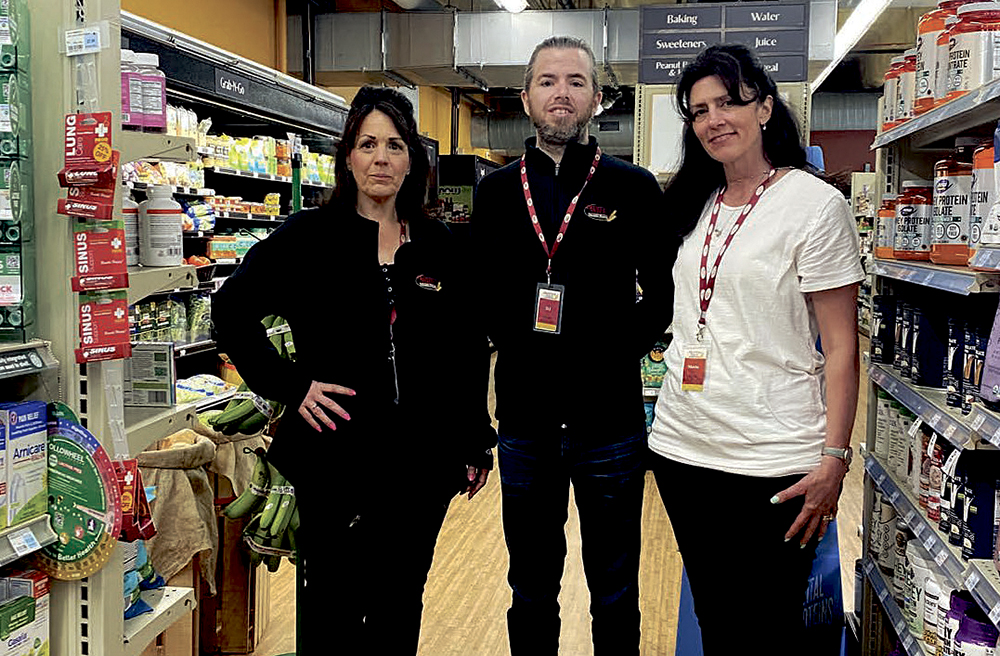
[410, 198]
[700, 175]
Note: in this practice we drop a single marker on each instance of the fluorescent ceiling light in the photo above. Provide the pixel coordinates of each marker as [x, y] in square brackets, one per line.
[513, 6]
[855, 27]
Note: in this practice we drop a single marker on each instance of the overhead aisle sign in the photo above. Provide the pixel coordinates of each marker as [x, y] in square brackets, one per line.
[671, 37]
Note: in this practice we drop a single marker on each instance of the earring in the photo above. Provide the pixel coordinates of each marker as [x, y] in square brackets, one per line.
[763, 127]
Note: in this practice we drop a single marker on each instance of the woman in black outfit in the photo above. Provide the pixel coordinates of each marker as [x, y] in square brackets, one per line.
[384, 423]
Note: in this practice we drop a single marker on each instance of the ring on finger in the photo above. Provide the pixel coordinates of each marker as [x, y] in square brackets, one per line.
[827, 518]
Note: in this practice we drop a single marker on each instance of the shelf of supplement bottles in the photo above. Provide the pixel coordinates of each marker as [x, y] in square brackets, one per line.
[976, 108]
[911, 645]
[262, 176]
[980, 577]
[955, 279]
[931, 406]
[196, 192]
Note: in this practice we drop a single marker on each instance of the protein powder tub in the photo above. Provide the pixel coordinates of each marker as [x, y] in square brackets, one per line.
[885, 227]
[906, 89]
[914, 207]
[932, 596]
[931, 26]
[952, 190]
[976, 637]
[885, 535]
[890, 99]
[971, 55]
[918, 572]
[943, 85]
[959, 604]
[160, 229]
[983, 194]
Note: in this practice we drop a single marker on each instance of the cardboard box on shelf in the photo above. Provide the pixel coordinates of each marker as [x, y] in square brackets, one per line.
[27, 466]
[24, 615]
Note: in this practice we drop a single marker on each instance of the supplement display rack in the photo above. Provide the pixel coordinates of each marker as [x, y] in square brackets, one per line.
[88, 615]
[907, 151]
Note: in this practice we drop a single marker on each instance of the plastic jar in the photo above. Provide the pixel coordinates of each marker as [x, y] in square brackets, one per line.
[154, 92]
[914, 206]
[983, 193]
[160, 229]
[929, 28]
[918, 572]
[952, 191]
[959, 604]
[976, 637]
[130, 212]
[932, 595]
[971, 60]
[132, 117]
[885, 226]
[906, 87]
[903, 537]
[890, 90]
[943, 80]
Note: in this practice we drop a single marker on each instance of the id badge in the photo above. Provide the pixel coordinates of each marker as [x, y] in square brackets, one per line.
[695, 368]
[548, 308]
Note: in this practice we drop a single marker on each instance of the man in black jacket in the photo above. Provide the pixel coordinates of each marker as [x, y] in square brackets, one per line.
[561, 238]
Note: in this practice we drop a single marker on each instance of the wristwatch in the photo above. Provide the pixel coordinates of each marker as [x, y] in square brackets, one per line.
[845, 454]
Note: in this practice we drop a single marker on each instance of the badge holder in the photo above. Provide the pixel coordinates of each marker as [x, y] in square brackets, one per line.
[548, 308]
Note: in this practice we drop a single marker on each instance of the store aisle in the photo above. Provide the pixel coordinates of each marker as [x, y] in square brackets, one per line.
[467, 594]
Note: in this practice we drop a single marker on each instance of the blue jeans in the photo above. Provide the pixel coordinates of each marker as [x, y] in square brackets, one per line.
[608, 477]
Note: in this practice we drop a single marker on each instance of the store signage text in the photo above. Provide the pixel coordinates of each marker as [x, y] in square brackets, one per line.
[234, 86]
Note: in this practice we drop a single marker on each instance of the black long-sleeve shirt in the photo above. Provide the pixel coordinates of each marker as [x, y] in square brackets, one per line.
[588, 375]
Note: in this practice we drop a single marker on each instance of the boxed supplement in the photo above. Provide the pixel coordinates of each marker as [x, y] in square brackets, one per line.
[979, 473]
[99, 260]
[31, 636]
[954, 358]
[883, 329]
[27, 466]
[149, 375]
[104, 330]
[928, 348]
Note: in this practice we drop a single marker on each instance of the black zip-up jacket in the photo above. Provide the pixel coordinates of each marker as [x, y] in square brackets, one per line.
[320, 271]
[588, 376]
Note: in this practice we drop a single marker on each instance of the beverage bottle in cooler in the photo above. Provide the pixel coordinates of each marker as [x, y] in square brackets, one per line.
[154, 92]
[160, 229]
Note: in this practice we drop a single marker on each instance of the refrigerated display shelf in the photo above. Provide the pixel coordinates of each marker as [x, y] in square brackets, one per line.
[197, 192]
[169, 605]
[977, 108]
[911, 644]
[928, 404]
[247, 216]
[958, 280]
[222, 170]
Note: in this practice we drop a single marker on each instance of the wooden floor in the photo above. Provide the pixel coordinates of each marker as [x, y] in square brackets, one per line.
[467, 594]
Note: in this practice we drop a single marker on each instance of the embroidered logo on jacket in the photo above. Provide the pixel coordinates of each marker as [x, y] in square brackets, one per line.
[428, 283]
[598, 213]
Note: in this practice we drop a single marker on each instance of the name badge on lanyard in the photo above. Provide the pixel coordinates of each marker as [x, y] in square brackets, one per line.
[695, 369]
[549, 297]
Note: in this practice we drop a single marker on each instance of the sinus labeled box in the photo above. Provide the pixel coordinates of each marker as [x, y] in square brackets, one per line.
[28, 632]
[27, 467]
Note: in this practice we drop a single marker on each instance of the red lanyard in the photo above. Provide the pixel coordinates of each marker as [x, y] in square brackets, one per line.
[706, 285]
[550, 253]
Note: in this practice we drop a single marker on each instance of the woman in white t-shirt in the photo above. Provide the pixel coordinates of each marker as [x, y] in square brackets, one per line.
[753, 422]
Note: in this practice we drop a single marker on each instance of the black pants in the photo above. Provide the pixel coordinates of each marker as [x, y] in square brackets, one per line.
[608, 474]
[748, 584]
[365, 583]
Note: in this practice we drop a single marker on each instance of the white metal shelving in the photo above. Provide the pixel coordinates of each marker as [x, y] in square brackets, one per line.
[25, 538]
[148, 145]
[169, 605]
[958, 280]
[145, 281]
[911, 644]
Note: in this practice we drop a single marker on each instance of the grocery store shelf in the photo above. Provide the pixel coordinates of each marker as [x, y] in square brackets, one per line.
[247, 216]
[911, 645]
[25, 538]
[986, 258]
[147, 425]
[958, 280]
[928, 404]
[307, 183]
[976, 108]
[29, 358]
[144, 281]
[198, 192]
[983, 581]
[262, 176]
[169, 605]
[147, 145]
[181, 350]
[946, 557]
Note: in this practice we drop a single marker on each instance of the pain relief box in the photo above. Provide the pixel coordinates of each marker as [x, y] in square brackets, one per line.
[24, 616]
[27, 471]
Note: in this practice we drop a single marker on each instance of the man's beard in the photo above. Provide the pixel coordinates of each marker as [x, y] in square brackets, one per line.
[560, 135]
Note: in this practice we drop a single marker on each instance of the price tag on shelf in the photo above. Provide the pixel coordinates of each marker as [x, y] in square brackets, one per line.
[900, 627]
[936, 419]
[908, 641]
[908, 517]
[893, 496]
[972, 580]
[978, 422]
[893, 386]
[83, 41]
[24, 542]
[941, 557]
[931, 443]
[880, 479]
[929, 542]
[928, 277]
[915, 426]
[996, 436]
[919, 529]
[995, 614]
[949, 431]
[883, 593]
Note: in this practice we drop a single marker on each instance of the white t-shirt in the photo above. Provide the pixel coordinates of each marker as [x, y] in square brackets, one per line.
[763, 410]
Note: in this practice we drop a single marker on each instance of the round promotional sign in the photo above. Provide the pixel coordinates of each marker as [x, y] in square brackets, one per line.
[84, 503]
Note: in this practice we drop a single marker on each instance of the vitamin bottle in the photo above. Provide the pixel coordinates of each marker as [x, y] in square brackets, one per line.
[971, 50]
[951, 217]
[154, 92]
[132, 116]
[890, 98]
[906, 87]
[930, 26]
[912, 240]
[130, 212]
[885, 227]
[160, 229]
[983, 194]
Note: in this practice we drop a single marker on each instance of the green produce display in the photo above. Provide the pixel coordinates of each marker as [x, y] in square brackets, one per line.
[271, 502]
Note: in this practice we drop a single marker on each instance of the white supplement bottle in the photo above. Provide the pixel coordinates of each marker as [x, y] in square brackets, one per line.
[160, 229]
[130, 212]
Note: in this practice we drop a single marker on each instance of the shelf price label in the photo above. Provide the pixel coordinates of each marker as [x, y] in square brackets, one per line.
[908, 517]
[23, 542]
[978, 422]
[972, 580]
[883, 593]
[936, 419]
[950, 430]
[893, 496]
[941, 557]
[929, 542]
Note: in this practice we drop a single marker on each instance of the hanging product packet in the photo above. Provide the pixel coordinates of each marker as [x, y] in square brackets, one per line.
[137, 519]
